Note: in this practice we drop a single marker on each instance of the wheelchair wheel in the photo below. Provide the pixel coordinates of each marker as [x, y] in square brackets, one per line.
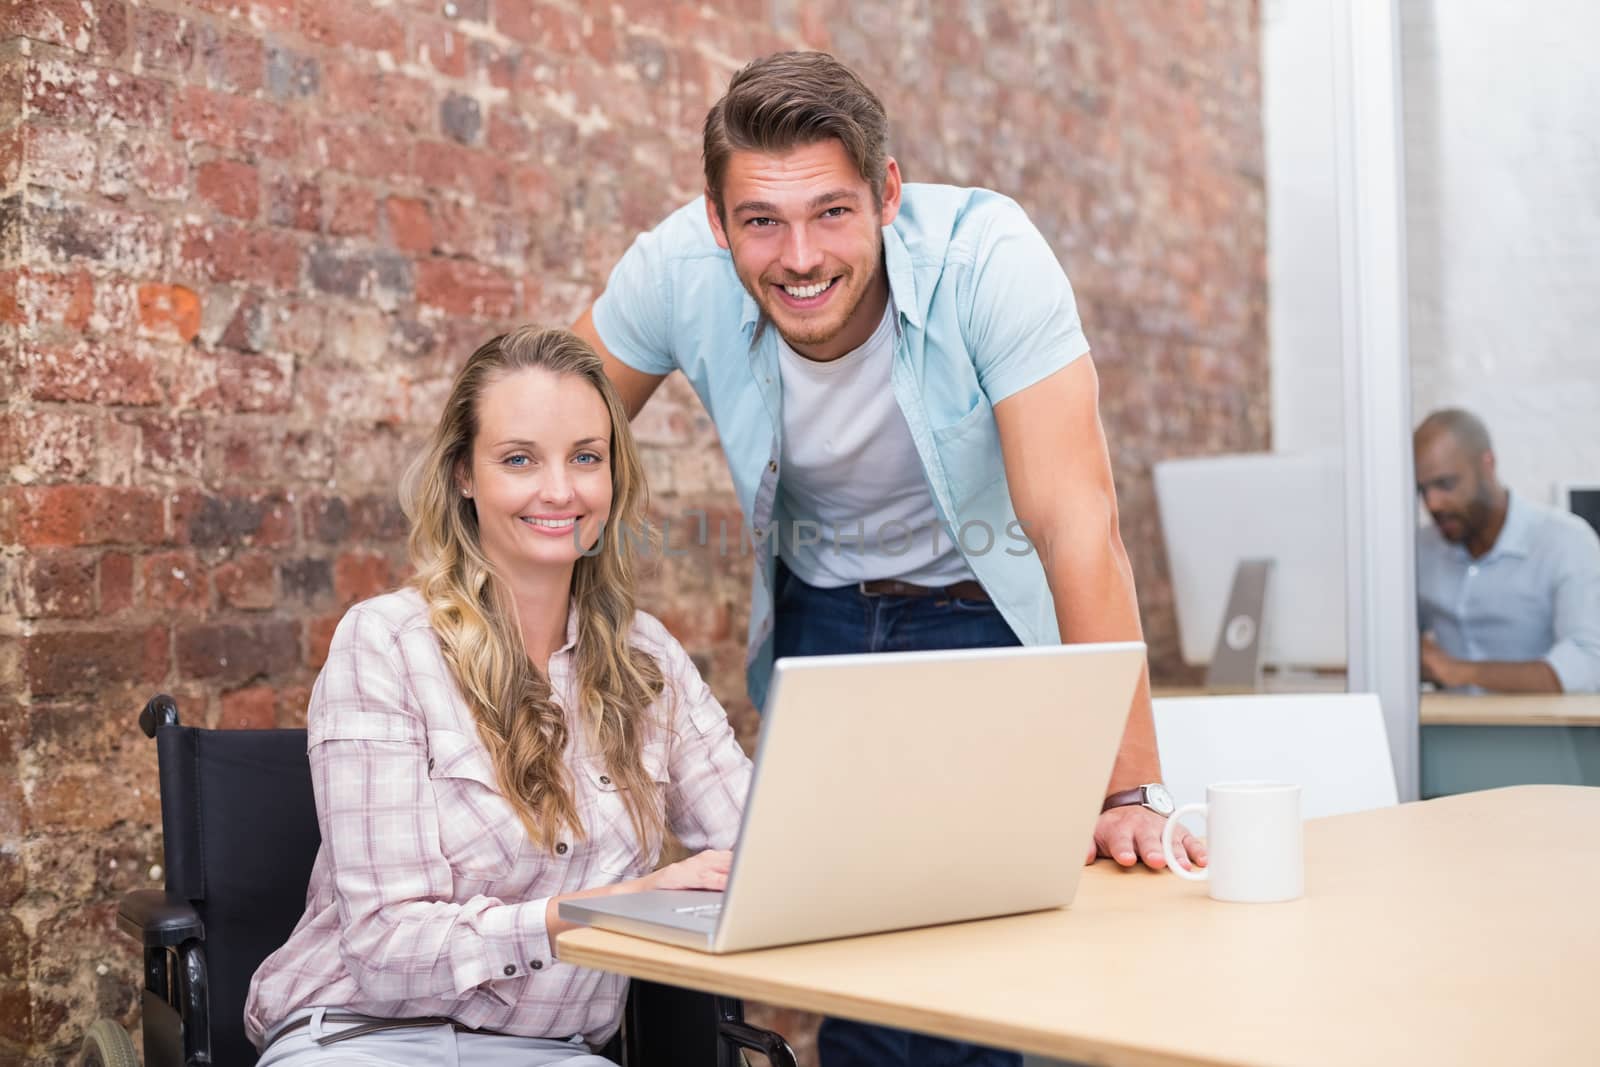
[107, 1045]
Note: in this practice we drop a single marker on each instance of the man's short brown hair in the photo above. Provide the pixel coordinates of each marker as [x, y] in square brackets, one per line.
[791, 99]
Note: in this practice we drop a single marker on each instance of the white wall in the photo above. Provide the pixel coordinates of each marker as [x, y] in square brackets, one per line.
[1302, 224]
[1502, 105]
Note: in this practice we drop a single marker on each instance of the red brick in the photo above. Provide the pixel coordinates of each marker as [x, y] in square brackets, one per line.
[57, 89]
[169, 444]
[162, 41]
[545, 26]
[254, 708]
[268, 14]
[235, 124]
[238, 652]
[116, 582]
[296, 326]
[51, 445]
[69, 515]
[440, 46]
[353, 213]
[56, 299]
[292, 703]
[232, 188]
[12, 142]
[396, 101]
[353, 26]
[152, 168]
[59, 158]
[501, 68]
[174, 581]
[254, 382]
[364, 151]
[233, 62]
[359, 575]
[99, 27]
[64, 232]
[91, 373]
[170, 311]
[481, 175]
[460, 287]
[294, 202]
[246, 582]
[86, 661]
[410, 223]
[354, 271]
[268, 453]
[232, 519]
[509, 136]
[319, 635]
[223, 252]
[58, 585]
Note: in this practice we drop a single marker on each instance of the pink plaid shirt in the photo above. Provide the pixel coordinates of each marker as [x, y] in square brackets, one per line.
[428, 897]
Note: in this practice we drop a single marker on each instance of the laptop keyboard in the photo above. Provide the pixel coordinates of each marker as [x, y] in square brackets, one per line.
[701, 911]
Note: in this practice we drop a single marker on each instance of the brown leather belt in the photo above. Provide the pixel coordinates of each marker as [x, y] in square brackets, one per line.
[359, 1025]
[967, 590]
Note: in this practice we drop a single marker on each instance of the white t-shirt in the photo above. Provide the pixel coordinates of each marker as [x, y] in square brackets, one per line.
[853, 503]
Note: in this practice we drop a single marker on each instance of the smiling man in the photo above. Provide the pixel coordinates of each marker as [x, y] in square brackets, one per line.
[904, 394]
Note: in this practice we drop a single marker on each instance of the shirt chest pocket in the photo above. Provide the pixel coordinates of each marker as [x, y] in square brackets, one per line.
[617, 848]
[969, 448]
[479, 831]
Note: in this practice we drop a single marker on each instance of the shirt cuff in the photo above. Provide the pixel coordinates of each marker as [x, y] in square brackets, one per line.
[513, 944]
[1577, 669]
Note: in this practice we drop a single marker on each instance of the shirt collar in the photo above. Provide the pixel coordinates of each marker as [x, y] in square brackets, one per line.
[1517, 534]
[896, 264]
[572, 627]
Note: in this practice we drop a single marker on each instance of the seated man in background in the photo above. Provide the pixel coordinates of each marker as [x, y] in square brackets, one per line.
[1508, 591]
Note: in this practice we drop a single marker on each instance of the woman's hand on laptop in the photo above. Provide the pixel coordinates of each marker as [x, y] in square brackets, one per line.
[703, 870]
[1131, 833]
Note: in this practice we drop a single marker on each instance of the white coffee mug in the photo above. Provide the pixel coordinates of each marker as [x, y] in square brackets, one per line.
[1255, 848]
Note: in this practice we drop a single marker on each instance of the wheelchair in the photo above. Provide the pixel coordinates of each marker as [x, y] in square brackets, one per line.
[240, 833]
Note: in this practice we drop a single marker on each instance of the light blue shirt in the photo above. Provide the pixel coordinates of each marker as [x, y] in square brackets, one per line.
[984, 310]
[1534, 596]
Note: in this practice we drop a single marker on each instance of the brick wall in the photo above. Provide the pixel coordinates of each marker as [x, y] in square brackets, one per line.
[243, 243]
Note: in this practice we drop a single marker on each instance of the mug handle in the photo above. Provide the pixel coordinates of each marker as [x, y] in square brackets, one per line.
[1166, 844]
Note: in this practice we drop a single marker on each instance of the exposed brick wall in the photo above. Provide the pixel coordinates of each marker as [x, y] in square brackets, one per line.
[244, 242]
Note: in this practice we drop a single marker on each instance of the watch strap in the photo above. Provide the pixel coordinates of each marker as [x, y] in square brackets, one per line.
[1123, 798]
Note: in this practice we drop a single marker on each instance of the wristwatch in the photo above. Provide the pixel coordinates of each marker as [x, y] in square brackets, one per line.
[1152, 795]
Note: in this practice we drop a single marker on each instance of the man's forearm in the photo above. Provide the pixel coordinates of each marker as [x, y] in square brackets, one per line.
[1530, 676]
[1091, 582]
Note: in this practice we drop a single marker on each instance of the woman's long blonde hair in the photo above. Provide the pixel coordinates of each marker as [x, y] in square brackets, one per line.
[471, 610]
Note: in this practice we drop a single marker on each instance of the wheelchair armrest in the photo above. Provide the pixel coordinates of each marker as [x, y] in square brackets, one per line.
[158, 919]
[734, 1032]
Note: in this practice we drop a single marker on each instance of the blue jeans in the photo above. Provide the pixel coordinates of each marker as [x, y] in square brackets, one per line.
[820, 622]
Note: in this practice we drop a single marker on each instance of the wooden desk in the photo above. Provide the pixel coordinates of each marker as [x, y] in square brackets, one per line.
[1510, 709]
[1459, 931]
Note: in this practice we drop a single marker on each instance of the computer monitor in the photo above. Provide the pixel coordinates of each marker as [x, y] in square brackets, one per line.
[1582, 500]
[1219, 511]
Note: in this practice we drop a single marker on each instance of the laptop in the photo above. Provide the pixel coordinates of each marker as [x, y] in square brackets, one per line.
[907, 789]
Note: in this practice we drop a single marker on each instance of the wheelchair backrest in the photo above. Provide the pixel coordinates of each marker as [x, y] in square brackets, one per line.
[240, 835]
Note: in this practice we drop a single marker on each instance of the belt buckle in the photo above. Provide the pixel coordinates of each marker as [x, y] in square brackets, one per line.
[861, 587]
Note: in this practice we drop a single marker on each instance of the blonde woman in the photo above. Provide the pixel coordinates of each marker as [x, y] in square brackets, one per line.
[505, 733]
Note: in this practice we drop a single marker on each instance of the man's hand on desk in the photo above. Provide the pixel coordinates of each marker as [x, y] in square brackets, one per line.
[1440, 667]
[1132, 833]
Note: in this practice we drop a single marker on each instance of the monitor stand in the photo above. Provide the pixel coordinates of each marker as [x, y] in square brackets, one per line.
[1236, 661]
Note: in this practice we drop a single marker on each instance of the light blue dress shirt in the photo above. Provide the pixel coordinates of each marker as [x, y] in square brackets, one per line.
[1534, 596]
[984, 310]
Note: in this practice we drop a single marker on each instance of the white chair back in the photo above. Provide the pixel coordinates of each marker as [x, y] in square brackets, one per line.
[1333, 744]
